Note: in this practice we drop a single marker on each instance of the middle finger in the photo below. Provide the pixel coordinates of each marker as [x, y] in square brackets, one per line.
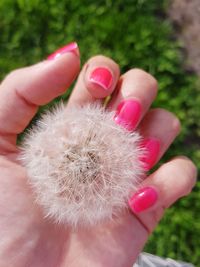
[133, 96]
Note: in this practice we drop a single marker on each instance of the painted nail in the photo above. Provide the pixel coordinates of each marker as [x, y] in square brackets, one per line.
[128, 113]
[72, 48]
[143, 199]
[102, 77]
[152, 146]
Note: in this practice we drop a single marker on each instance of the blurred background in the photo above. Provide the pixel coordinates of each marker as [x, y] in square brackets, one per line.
[159, 36]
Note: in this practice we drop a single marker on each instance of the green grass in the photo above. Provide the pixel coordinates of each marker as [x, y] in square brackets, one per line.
[135, 33]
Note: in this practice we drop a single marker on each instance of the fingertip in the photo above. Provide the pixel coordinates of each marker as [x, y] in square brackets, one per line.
[101, 76]
[144, 199]
[69, 48]
[50, 78]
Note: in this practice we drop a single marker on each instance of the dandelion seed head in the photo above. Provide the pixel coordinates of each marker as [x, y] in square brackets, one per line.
[81, 165]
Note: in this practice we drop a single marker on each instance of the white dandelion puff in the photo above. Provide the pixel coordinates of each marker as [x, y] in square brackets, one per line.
[81, 165]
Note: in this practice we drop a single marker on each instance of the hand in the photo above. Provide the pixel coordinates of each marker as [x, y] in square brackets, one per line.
[29, 239]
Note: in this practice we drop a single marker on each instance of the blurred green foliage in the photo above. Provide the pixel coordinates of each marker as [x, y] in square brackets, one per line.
[135, 33]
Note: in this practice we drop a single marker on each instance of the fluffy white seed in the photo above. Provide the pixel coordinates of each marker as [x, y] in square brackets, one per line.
[82, 166]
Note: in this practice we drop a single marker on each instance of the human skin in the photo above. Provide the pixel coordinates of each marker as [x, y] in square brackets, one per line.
[30, 240]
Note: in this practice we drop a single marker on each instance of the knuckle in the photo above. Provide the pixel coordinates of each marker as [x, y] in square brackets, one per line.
[10, 77]
[96, 57]
[142, 75]
[190, 172]
[193, 173]
[176, 124]
[172, 118]
[101, 59]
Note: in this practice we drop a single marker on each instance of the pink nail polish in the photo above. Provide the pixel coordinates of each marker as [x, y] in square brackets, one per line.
[128, 113]
[102, 77]
[72, 47]
[152, 146]
[143, 199]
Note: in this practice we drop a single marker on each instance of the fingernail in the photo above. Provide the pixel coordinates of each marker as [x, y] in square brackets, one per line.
[102, 77]
[128, 113]
[152, 146]
[72, 48]
[143, 199]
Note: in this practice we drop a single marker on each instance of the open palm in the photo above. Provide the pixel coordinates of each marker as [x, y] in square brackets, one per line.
[27, 238]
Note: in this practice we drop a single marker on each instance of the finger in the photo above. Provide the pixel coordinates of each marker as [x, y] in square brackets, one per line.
[160, 190]
[135, 92]
[97, 80]
[159, 128]
[25, 89]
